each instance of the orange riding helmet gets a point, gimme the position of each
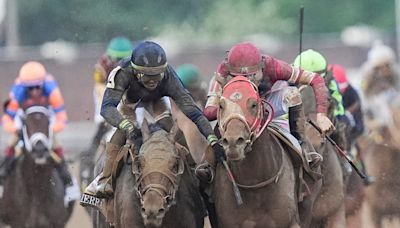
(32, 74)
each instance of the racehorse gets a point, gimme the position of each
(259, 163)
(156, 186)
(34, 193)
(328, 208)
(383, 196)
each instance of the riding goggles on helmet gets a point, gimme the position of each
(146, 74)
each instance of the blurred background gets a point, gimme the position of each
(69, 36)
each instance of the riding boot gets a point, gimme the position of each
(297, 122)
(7, 164)
(104, 187)
(71, 188)
(206, 170)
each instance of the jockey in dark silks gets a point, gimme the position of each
(34, 86)
(353, 112)
(147, 77)
(117, 49)
(265, 71)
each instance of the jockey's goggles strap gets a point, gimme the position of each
(150, 70)
(244, 70)
(212, 139)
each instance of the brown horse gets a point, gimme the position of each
(158, 189)
(383, 196)
(260, 164)
(329, 208)
(34, 193)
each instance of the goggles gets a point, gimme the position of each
(145, 78)
(150, 70)
(36, 87)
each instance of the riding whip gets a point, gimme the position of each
(236, 191)
(338, 149)
(301, 33)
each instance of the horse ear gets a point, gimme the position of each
(174, 131)
(145, 130)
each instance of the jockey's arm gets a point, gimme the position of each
(214, 92)
(9, 113)
(117, 83)
(297, 76)
(186, 104)
(283, 71)
(56, 102)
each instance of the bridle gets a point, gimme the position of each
(31, 140)
(168, 194)
(260, 121)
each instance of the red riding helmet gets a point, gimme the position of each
(244, 59)
(339, 73)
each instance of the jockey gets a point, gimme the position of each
(146, 76)
(190, 77)
(380, 71)
(313, 61)
(381, 83)
(34, 86)
(117, 49)
(353, 111)
(263, 70)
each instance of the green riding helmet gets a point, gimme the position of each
(119, 47)
(188, 74)
(312, 61)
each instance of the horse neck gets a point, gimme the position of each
(262, 162)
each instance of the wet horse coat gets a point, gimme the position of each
(148, 192)
(261, 166)
(34, 193)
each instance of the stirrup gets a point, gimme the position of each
(314, 159)
(202, 169)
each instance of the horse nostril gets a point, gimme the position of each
(143, 210)
(240, 141)
(161, 211)
(224, 142)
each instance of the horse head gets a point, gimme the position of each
(36, 134)
(240, 117)
(157, 168)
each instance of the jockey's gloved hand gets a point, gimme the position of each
(324, 123)
(133, 133)
(219, 151)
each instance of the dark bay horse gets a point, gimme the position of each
(157, 187)
(34, 193)
(259, 163)
(328, 208)
(163, 192)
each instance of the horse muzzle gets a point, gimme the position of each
(153, 218)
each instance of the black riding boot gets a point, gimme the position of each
(297, 123)
(64, 173)
(5, 168)
(71, 188)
